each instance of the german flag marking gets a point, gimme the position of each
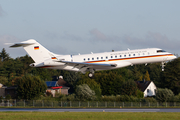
(53, 58)
(36, 47)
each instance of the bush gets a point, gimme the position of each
(123, 98)
(91, 83)
(177, 98)
(83, 92)
(30, 87)
(164, 95)
(8, 97)
(70, 97)
(148, 99)
(140, 94)
(111, 98)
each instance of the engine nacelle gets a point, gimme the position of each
(36, 64)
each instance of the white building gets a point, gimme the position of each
(147, 87)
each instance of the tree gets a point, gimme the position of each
(84, 92)
(137, 75)
(146, 76)
(4, 56)
(129, 88)
(30, 87)
(155, 73)
(171, 76)
(3, 80)
(91, 83)
(110, 82)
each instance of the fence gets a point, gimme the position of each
(80, 104)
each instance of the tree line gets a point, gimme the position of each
(106, 83)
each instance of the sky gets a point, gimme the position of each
(85, 26)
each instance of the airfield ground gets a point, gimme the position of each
(90, 115)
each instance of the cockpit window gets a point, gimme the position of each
(160, 51)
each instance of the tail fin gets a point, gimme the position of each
(35, 50)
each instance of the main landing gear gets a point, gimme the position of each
(91, 73)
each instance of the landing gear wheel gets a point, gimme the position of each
(91, 75)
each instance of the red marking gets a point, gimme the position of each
(56, 87)
(53, 58)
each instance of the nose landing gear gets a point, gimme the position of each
(162, 65)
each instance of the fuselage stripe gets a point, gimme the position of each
(130, 58)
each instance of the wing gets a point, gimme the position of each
(89, 65)
(83, 66)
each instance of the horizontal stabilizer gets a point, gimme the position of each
(25, 43)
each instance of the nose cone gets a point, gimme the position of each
(171, 57)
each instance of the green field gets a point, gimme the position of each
(88, 116)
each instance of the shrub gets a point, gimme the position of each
(164, 95)
(8, 97)
(140, 94)
(30, 87)
(83, 92)
(177, 98)
(111, 98)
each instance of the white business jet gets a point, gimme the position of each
(43, 58)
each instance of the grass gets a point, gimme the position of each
(89, 116)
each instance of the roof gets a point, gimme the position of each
(142, 85)
(51, 83)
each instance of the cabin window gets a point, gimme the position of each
(124, 55)
(88, 58)
(134, 55)
(97, 58)
(84, 59)
(120, 56)
(115, 56)
(92, 58)
(106, 57)
(111, 56)
(160, 51)
(129, 55)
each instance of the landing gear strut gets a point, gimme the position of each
(162, 64)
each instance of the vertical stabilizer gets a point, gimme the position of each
(37, 52)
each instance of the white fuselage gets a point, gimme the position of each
(120, 58)
(92, 62)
